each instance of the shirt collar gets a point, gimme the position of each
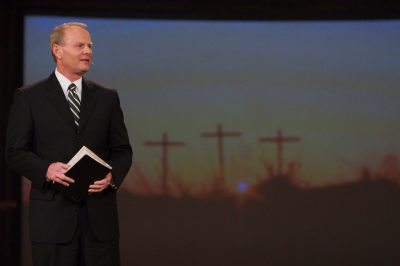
(65, 82)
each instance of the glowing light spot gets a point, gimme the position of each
(242, 186)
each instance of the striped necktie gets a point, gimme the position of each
(74, 102)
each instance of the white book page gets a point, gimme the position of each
(86, 151)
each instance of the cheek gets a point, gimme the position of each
(73, 61)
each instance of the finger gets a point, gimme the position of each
(91, 190)
(60, 181)
(93, 186)
(100, 182)
(62, 166)
(66, 178)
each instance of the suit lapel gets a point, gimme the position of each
(88, 102)
(56, 96)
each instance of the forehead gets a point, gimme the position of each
(76, 34)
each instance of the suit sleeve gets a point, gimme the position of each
(20, 138)
(120, 149)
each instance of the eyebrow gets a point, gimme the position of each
(91, 43)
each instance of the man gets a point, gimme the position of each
(49, 122)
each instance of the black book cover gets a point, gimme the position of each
(85, 172)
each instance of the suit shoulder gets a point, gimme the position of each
(34, 86)
(101, 90)
(97, 86)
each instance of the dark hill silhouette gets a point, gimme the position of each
(349, 224)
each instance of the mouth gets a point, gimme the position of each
(85, 60)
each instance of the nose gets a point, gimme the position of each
(87, 50)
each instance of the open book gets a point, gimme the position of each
(86, 168)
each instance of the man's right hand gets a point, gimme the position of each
(56, 171)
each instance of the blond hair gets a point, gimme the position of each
(57, 35)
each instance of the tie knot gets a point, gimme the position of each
(72, 87)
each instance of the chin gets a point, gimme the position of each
(85, 69)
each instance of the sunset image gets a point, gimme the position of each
(249, 127)
(330, 85)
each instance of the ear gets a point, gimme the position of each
(57, 51)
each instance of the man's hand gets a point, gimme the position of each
(100, 185)
(56, 172)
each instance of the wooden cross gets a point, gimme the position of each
(164, 143)
(279, 140)
(220, 134)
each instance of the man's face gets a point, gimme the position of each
(74, 54)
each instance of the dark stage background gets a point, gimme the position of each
(264, 134)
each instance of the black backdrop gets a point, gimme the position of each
(11, 56)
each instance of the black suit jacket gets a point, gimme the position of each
(41, 131)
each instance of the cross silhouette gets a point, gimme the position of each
(279, 139)
(220, 134)
(165, 144)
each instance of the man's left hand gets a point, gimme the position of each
(100, 185)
